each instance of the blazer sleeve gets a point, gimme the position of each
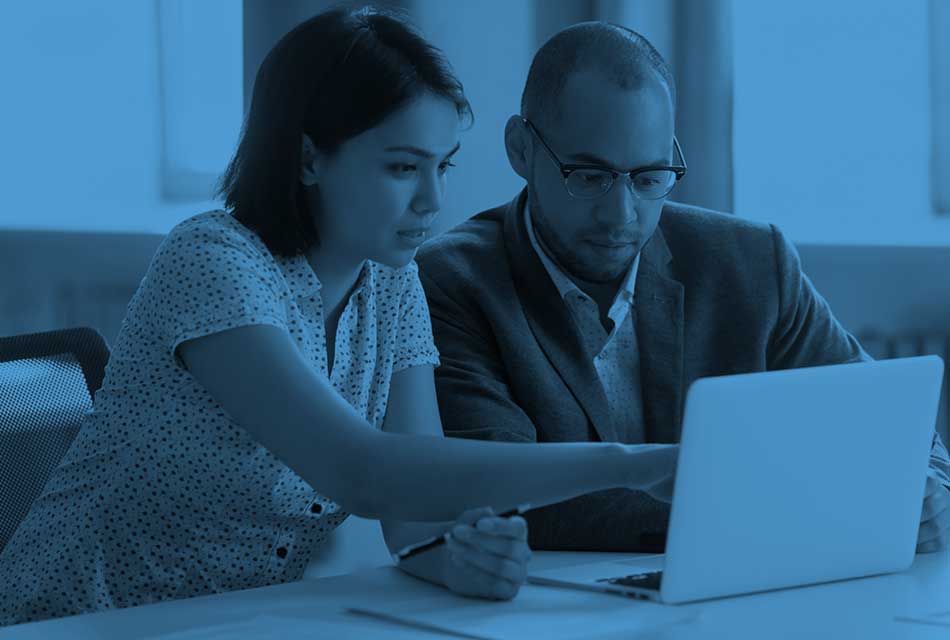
(475, 401)
(474, 398)
(807, 334)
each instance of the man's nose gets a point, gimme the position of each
(618, 207)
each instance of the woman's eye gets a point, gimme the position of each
(444, 167)
(402, 168)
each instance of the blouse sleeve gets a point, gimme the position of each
(207, 278)
(414, 343)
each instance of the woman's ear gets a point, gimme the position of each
(517, 146)
(311, 162)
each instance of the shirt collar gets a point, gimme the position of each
(563, 283)
(301, 279)
(304, 283)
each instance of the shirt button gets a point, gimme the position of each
(316, 508)
(281, 552)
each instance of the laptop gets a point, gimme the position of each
(788, 478)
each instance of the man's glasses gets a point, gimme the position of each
(589, 181)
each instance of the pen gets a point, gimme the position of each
(431, 543)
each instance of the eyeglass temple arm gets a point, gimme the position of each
(679, 151)
(566, 172)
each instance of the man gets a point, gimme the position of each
(584, 308)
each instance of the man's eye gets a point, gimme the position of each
(590, 176)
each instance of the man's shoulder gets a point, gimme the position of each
(683, 222)
(474, 245)
(696, 236)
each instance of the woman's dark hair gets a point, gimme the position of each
(332, 77)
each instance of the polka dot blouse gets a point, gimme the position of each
(162, 495)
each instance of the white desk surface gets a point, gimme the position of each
(316, 608)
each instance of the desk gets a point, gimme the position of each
(315, 608)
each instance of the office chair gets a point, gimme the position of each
(47, 382)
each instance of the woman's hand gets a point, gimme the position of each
(486, 556)
(653, 469)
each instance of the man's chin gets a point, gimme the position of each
(602, 275)
(599, 270)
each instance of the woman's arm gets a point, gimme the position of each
(258, 375)
(487, 556)
(412, 409)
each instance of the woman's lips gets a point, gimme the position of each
(413, 237)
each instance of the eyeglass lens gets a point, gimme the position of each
(590, 183)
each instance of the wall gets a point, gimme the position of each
(831, 130)
(81, 116)
(831, 120)
(489, 44)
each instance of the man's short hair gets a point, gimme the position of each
(624, 56)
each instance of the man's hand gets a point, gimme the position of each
(486, 556)
(934, 533)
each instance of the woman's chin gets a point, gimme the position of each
(395, 259)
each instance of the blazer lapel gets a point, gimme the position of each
(552, 324)
(660, 322)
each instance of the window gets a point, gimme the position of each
(201, 70)
(940, 105)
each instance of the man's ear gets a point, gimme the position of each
(311, 162)
(518, 146)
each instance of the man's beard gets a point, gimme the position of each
(566, 258)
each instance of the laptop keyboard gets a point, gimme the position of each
(650, 580)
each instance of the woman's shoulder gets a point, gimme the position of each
(213, 246)
(216, 226)
(210, 270)
(215, 237)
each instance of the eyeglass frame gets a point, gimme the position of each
(567, 169)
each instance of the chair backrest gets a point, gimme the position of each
(47, 382)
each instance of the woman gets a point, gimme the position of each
(274, 371)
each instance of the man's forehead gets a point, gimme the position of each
(589, 94)
(595, 117)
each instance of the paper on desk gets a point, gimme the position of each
(264, 627)
(537, 611)
(937, 619)
(256, 628)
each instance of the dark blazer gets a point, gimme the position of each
(715, 295)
